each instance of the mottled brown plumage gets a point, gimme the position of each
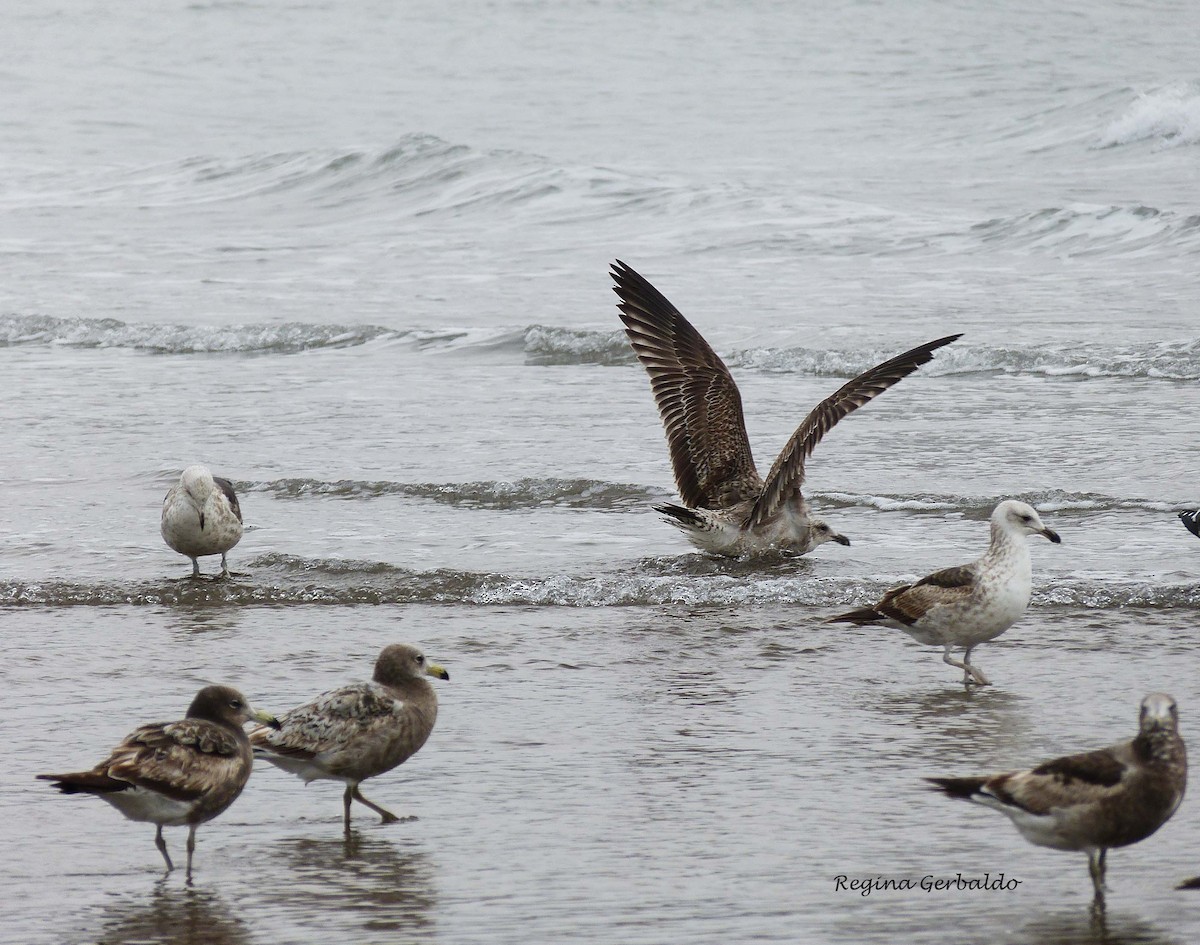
(176, 773)
(1096, 800)
(361, 730)
(730, 508)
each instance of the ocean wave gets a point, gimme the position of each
(1057, 501)
(1166, 360)
(1168, 116)
(1083, 230)
(287, 338)
(598, 495)
(420, 177)
(542, 345)
(527, 493)
(689, 580)
(548, 345)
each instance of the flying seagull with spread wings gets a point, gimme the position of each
(728, 508)
(1093, 801)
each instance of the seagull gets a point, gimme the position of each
(201, 516)
(729, 509)
(176, 773)
(1094, 801)
(359, 731)
(1191, 521)
(969, 604)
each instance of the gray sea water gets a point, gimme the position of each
(353, 257)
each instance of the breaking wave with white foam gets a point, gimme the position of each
(1168, 116)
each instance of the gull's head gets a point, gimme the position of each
(197, 482)
(400, 662)
(1021, 518)
(1159, 713)
(822, 532)
(225, 705)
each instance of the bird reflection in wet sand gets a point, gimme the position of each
(1095, 927)
(347, 886)
(178, 915)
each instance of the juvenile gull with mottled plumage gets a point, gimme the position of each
(361, 730)
(201, 516)
(729, 509)
(1094, 801)
(176, 773)
(969, 604)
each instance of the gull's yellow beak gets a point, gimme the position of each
(432, 669)
(267, 719)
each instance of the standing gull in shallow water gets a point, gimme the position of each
(176, 773)
(729, 508)
(360, 730)
(969, 604)
(201, 516)
(1093, 801)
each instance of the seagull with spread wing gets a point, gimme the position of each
(729, 509)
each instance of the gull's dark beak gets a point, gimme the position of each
(1052, 535)
(840, 539)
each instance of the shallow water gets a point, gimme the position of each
(355, 260)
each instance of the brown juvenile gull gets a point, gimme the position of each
(176, 773)
(969, 604)
(201, 516)
(1097, 800)
(729, 509)
(360, 730)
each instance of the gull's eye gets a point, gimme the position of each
(236, 704)
(822, 528)
(420, 659)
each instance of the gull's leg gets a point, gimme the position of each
(970, 673)
(195, 567)
(191, 848)
(162, 848)
(975, 670)
(1096, 869)
(387, 815)
(224, 566)
(346, 804)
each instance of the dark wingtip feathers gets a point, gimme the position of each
(85, 782)
(959, 788)
(1191, 521)
(859, 617)
(680, 514)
